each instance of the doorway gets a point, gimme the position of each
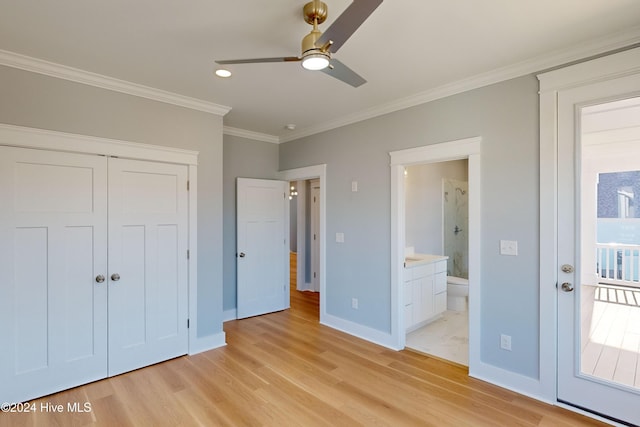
(311, 173)
(589, 143)
(454, 150)
(304, 225)
(436, 224)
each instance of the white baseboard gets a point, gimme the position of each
(527, 386)
(373, 335)
(207, 343)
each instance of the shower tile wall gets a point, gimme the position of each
(456, 224)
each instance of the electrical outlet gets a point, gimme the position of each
(505, 342)
(339, 237)
(354, 303)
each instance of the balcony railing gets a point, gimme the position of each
(618, 264)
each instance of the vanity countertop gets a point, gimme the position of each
(415, 260)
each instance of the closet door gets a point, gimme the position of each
(148, 230)
(53, 240)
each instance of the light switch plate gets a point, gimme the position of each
(354, 186)
(339, 237)
(509, 247)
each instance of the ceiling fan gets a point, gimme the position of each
(317, 47)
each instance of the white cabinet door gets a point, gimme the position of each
(263, 250)
(53, 242)
(148, 231)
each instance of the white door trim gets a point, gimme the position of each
(311, 172)
(18, 136)
(551, 84)
(315, 226)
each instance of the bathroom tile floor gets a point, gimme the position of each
(446, 338)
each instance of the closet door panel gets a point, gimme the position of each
(31, 289)
(52, 246)
(148, 231)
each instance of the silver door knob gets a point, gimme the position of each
(100, 278)
(115, 277)
(567, 287)
(242, 255)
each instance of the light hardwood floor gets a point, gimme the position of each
(285, 369)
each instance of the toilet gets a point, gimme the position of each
(457, 293)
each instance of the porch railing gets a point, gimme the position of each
(618, 264)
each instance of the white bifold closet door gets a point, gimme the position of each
(148, 252)
(63, 325)
(53, 244)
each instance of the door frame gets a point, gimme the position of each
(315, 224)
(315, 172)
(468, 148)
(551, 85)
(25, 137)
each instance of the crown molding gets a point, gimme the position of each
(558, 58)
(35, 65)
(257, 136)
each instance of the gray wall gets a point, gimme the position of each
(246, 159)
(424, 205)
(38, 101)
(505, 115)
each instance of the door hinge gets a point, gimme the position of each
(314, 274)
(188, 254)
(187, 185)
(187, 323)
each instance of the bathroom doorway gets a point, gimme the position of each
(436, 225)
(466, 149)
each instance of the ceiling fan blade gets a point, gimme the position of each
(258, 60)
(347, 23)
(341, 72)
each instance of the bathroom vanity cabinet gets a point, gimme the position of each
(425, 289)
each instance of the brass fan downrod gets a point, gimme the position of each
(315, 13)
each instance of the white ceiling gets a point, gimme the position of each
(409, 51)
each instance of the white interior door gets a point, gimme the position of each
(262, 239)
(148, 231)
(53, 240)
(587, 335)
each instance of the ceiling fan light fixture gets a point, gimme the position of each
(315, 61)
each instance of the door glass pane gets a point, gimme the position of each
(610, 242)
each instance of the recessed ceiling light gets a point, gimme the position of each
(221, 72)
(290, 126)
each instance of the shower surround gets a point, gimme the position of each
(455, 206)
